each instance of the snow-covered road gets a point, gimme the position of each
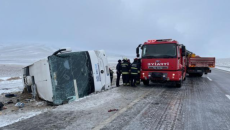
(201, 103)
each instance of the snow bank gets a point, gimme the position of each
(10, 86)
(223, 68)
(4, 78)
(223, 64)
(12, 118)
(93, 101)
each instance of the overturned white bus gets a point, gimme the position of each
(65, 77)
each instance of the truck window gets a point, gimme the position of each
(178, 52)
(159, 51)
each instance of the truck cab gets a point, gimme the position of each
(162, 60)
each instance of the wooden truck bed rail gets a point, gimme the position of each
(202, 62)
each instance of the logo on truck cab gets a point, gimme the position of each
(158, 64)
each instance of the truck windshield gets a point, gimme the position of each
(159, 51)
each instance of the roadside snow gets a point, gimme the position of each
(223, 68)
(92, 102)
(12, 118)
(9, 78)
(10, 86)
(4, 78)
(223, 64)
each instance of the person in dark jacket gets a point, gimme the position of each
(135, 67)
(125, 72)
(111, 75)
(1, 106)
(119, 71)
(138, 77)
(129, 71)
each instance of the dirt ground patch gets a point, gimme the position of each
(26, 98)
(13, 78)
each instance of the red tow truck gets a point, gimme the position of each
(165, 60)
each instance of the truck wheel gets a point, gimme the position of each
(200, 74)
(179, 84)
(146, 82)
(191, 75)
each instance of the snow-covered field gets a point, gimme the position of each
(7, 71)
(28, 54)
(223, 64)
(24, 54)
(11, 86)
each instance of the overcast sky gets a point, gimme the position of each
(117, 26)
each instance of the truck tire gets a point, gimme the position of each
(196, 75)
(146, 82)
(200, 74)
(191, 75)
(179, 84)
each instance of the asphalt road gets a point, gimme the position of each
(202, 103)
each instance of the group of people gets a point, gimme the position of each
(130, 72)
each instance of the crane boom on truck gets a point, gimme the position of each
(162, 60)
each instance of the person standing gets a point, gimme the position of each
(111, 75)
(129, 64)
(138, 76)
(119, 70)
(134, 72)
(125, 72)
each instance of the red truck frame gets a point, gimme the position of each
(165, 60)
(197, 66)
(162, 60)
